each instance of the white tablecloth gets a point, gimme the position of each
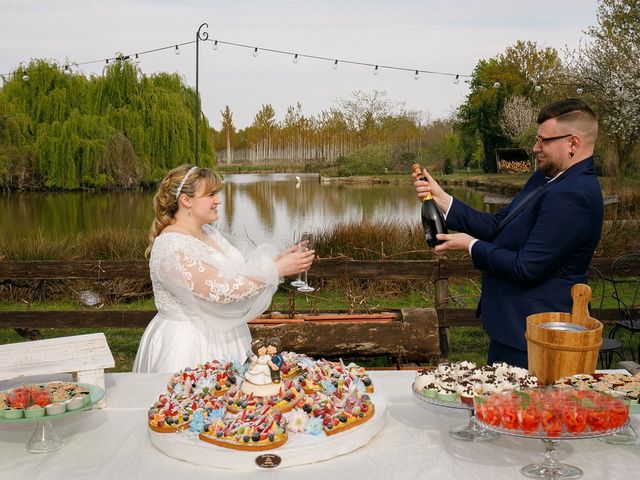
(113, 443)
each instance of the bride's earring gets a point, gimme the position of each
(189, 214)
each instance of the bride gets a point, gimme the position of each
(259, 372)
(206, 286)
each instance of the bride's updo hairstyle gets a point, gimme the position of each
(185, 179)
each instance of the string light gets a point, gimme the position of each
(579, 90)
(25, 77)
(296, 57)
(496, 85)
(376, 71)
(456, 80)
(66, 70)
(537, 88)
(416, 75)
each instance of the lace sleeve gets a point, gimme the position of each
(212, 285)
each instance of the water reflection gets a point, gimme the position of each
(259, 206)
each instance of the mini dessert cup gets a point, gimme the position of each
(56, 408)
(466, 398)
(13, 413)
(430, 392)
(34, 411)
(75, 402)
(447, 396)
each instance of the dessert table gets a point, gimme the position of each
(113, 443)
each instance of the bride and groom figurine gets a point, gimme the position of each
(262, 378)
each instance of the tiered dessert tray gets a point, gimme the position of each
(472, 432)
(44, 438)
(300, 449)
(551, 466)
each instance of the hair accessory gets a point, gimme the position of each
(184, 180)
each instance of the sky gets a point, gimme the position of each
(439, 35)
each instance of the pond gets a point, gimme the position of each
(262, 207)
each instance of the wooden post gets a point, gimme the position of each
(442, 300)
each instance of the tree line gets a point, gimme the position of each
(124, 129)
(505, 93)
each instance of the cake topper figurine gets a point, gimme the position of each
(276, 361)
(262, 378)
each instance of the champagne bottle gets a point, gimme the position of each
(432, 218)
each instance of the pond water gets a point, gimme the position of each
(262, 207)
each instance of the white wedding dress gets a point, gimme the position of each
(205, 293)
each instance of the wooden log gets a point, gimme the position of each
(412, 338)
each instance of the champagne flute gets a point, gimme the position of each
(306, 242)
(298, 281)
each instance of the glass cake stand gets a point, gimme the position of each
(44, 438)
(473, 431)
(551, 466)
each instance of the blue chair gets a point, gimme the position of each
(625, 277)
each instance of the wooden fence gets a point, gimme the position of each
(439, 271)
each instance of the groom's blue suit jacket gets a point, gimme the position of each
(530, 263)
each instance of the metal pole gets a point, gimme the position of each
(199, 36)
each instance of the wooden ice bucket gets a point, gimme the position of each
(556, 353)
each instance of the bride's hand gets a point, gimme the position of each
(289, 250)
(294, 262)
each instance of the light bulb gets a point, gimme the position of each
(66, 70)
(137, 60)
(335, 65)
(456, 80)
(496, 85)
(416, 75)
(215, 45)
(376, 71)
(177, 52)
(579, 90)
(537, 88)
(255, 52)
(295, 58)
(107, 61)
(25, 77)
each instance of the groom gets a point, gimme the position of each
(536, 248)
(273, 345)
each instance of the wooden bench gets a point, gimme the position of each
(84, 356)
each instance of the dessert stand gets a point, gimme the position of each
(44, 438)
(551, 466)
(474, 431)
(300, 449)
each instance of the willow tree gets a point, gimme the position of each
(120, 129)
